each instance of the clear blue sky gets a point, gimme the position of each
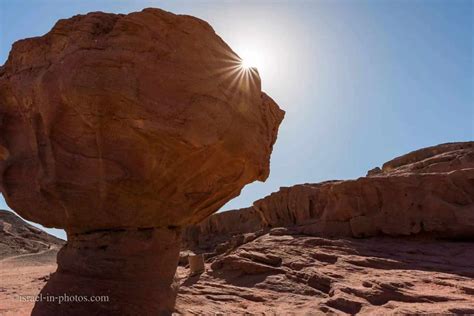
(361, 81)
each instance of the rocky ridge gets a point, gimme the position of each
(18, 238)
(426, 192)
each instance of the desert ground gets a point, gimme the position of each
(280, 273)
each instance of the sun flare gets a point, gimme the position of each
(246, 64)
(251, 58)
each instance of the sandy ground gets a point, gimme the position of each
(27, 257)
(299, 275)
(21, 277)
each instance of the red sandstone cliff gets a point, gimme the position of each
(429, 191)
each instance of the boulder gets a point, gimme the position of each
(121, 129)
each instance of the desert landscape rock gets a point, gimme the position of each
(334, 276)
(122, 129)
(426, 192)
(399, 241)
(18, 239)
(220, 227)
(429, 191)
(285, 273)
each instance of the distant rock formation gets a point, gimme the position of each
(122, 129)
(429, 191)
(18, 238)
(221, 227)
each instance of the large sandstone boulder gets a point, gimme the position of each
(111, 123)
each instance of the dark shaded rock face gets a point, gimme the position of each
(429, 191)
(112, 123)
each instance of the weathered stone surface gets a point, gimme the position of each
(440, 158)
(296, 274)
(320, 276)
(122, 129)
(196, 264)
(134, 269)
(138, 120)
(429, 191)
(222, 226)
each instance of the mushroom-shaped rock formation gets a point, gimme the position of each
(122, 129)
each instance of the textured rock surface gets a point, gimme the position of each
(286, 274)
(134, 269)
(424, 194)
(221, 227)
(112, 123)
(139, 120)
(305, 275)
(429, 191)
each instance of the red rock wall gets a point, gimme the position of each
(222, 226)
(428, 191)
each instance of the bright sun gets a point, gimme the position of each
(251, 58)
(247, 64)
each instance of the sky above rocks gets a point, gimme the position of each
(361, 81)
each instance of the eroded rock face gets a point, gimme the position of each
(412, 198)
(113, 123)
(307, 275)
(133, 269)
(429, 191)
(221, 226)
(138, 120)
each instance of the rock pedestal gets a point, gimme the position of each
(122, 129)
(127, 272)
(196, 264)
